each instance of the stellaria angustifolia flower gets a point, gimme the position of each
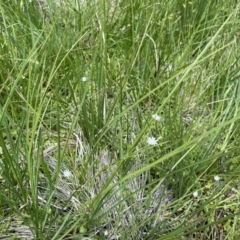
(84, 79)
(195, 194)
(156, 117)
(67, 173)
(152, 141)
(216, 178)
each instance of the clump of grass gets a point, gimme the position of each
(119, 120)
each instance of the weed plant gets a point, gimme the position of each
(119, 119)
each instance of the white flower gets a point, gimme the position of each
(84, 79)
(123, 28)
(67, 173)
(216, 178)
(195, 194)
(152, 141)
(156, 117)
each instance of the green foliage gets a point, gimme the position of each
(84, 86)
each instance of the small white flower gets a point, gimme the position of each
(67, 173)
(84, 79)
(105, 233)
(216, 178)
(156, 117)
(123, 28)
(195, 194)
(152, 141)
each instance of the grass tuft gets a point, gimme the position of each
(119, 119)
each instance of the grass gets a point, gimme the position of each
(80, 83)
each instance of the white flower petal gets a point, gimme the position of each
(195, 194)
(84, 79)
(156, 117)
(216, 178)
(67, 173)
(152, 141)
